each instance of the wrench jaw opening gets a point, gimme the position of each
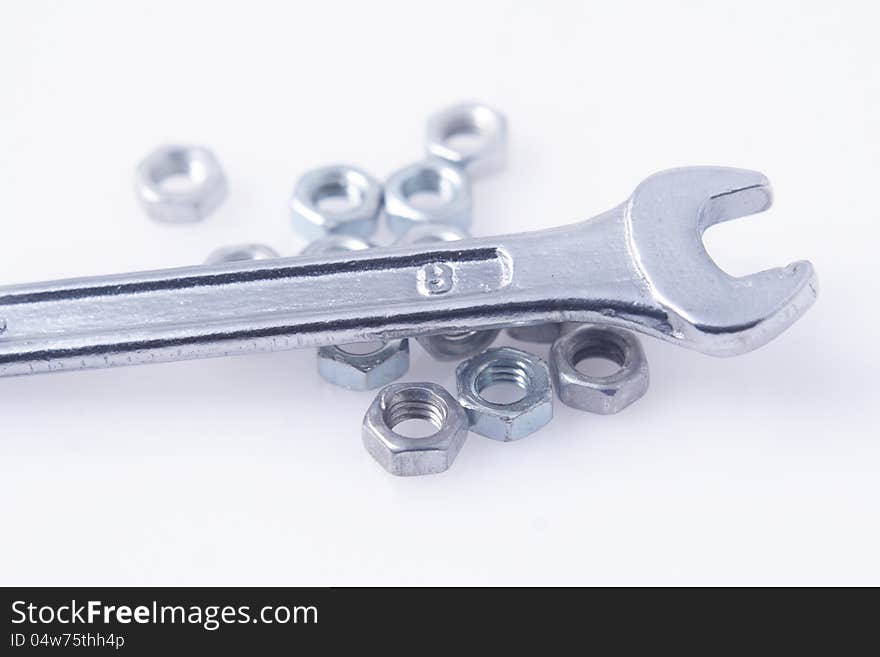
(770, 302)
(709, 310)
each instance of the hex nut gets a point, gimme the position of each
(404, 456)
(599, 394)
(373, 369)
(431, 233)
(486, 125)
(511, 421)
(336, 244)
(540, 333)
(205, 190)
(241, 253)
(434, 177)
(313, 220)
(457, 345)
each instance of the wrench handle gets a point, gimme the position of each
(251, 306)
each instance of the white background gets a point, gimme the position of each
(760, 469)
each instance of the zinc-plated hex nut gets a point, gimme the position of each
(431, 233)
(205, 190)
(541, 333)
(486, 126)
(405, 456)
(363, 194)
(241, 253)
(511, 421)
(336, 244)
(432, 177)
(367, 371)
(599, 394)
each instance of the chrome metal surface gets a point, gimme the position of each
(484, 131)
(447, 346)
(425, 192)
(241, 253)
(203, 184)
(640, 266)
(511, 420)
(458, 345)
(356, 197)
(405, 456)
(599, 394)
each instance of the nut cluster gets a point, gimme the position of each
(339, 209)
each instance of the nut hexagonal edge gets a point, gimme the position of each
(403, 456)
(505, 422)
(359, 220)
(364, 371)
(606, 394)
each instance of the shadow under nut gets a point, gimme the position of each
(599, 394)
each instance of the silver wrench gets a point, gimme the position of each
(641, 266)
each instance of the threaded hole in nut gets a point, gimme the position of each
(415, 417)
(415, 428)
(503, 383)
(427, 189)
(597, 368)
(466, 140)
(459, 336)
(466, 134)
(362, 348)
(599, 359)
(179, 171)
(337, 196)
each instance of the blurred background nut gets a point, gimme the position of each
(425, 192)
(335, 244)
(458, 344)
(407, 456)
(180, 184)
(336, 199)
(505, 420)
(431, 233)
(599, 394)
(470, 135)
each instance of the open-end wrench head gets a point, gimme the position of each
(713, 311)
